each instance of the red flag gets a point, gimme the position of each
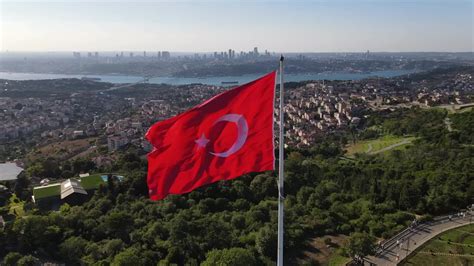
(223, 138)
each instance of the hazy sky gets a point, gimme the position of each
(206, 26)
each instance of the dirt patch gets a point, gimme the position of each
(62, 150)
(318, 250)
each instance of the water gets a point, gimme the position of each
(105, 178)
(9, 171)
(208, 80)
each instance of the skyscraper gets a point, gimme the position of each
(165, 54)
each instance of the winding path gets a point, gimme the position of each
(369, 149)
(403, 244)
(405, 141)
(448, 124)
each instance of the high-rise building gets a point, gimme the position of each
(131, 54)
(165, 54)
(96, 54)
(255, 50)
(144, 53)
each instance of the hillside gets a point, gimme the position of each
(369, 197)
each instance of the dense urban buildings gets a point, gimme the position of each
(312, 109)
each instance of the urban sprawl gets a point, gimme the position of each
(116, 119)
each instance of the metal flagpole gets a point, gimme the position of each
(280, 171)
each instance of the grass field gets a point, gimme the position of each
(92, 181)
(454, 247)
(382, 144)
(47, 191)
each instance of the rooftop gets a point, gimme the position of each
(72, 185)
(9, 171)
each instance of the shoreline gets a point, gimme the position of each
(210, 80)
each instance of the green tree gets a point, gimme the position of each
(266, 242)
(263, 185)
(230, 257)
(11, 259)
(73, 249)
(112, 247)
(128, 257)
(35, 169)
(119, 224)
(28, 260)
(21, 186)
(360, 244)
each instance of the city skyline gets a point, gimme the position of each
(208, 26)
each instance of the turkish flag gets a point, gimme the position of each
(223, 138)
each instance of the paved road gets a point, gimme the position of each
(410, 239)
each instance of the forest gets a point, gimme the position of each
(367, 198)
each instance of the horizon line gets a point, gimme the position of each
(225, 50)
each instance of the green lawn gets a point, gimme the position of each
(455, 241)
(377, 145)
(47, 191)
(92, 181)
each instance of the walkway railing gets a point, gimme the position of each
(436, 220)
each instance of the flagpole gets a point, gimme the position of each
(280, 171)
